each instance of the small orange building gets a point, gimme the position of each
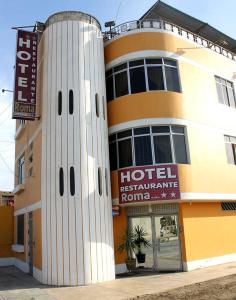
(169, 126)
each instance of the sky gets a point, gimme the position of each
(220, 15)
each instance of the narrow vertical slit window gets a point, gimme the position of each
(106, 181)
(59, 103)
(72, 181)
(71, 102)
(97, 104)
(104, 107)
(61, 182)
(99, 181)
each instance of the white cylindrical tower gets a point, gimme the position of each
(77, 234)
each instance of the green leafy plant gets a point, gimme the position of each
(127, 243)
(140, 239)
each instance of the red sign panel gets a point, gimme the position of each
(148, 183)
(25, 76)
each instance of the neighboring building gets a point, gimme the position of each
(7, 227)
(171, 105)
(6, 198)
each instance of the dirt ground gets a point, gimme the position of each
(222, 288)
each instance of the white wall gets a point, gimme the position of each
(77, 230)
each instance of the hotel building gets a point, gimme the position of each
(154, 93)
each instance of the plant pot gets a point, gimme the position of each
(130, 263)
(141, 258)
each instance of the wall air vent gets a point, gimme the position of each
(228, 205)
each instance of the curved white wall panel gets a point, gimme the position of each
(77, 228)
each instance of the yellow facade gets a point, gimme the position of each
(207, 231)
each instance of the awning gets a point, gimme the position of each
(166, 12)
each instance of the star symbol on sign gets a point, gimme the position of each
(173, 195)
(163, 195)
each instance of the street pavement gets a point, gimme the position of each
(16, 285)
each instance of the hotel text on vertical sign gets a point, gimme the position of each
(149, 183)
(25, 76)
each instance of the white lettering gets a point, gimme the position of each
(161, 173)
(23, 55)
(135, 197)
(169, 175)
(137, 175)
(22, 43)
(20, 97)
(23, 68)
(22, 82)
(149, 172)
(125, 177)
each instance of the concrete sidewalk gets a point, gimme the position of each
(126, 288)
(15, 285)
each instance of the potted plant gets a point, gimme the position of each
(141, 242)
(128, 245)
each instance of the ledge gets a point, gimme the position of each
(19, 130)
(19, 188)
(18, 248)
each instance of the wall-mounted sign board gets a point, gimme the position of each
(24, 106)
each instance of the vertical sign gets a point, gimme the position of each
(25, 76)
(148, 183)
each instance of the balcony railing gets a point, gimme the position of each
(163, 25)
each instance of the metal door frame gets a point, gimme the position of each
(179, 243)
(30, 242)
(152, 216)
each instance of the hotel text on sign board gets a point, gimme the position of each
(149, 183)
(25, 76)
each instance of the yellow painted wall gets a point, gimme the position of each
(6, 231)
(208, 230)
(32, 192)
(37, 237)
(140, 41)
(119, 227)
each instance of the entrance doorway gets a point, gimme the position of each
(163, 233)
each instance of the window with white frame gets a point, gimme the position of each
(148, 146)
(230, 145)
(137, 76)
(225, 91)
(21, 170)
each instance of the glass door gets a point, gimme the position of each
(164, 254)
(167, 245)
(145, 223)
